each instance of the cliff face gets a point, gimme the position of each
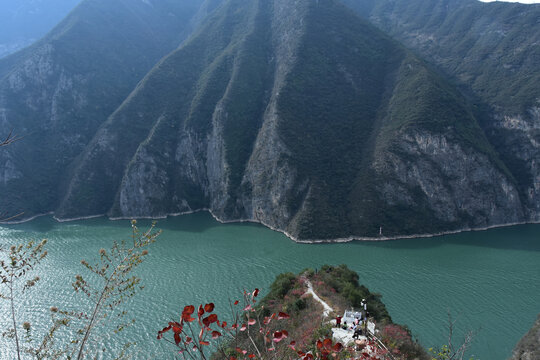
(58, 92)
(528, 347)
(483, 49)
(299, 115)
(519, 135)
(294, 113)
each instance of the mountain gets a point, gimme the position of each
(23, 22)
(302, 116)
(491, 51)
(59, 91)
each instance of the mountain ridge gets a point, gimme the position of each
(58, 91)
(301, 116)
(279, 186)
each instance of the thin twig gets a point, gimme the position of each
(11, 138)
(13, 318)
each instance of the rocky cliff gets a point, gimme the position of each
(297, 114)
(491, 51)
(58, 92)
(301, 116)
(528, 347)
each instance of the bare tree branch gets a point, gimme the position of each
(11, 138)
(467, 340)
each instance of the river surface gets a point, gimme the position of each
(489, 280)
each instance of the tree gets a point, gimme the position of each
(21, 260)
(450, 351)
(113, 283)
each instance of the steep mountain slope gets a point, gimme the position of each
(57, 92)
(302, 116)
(25, 21)
(492, 50)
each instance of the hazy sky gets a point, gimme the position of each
(521, 1)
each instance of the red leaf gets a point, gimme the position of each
(243, 328)
(188, 310)
(267, 320)
(224, 325)
(251, 356)
(200, 312)
(338, 347)
(176, 327)
(256, 292)
(236, 302)
(161, 332)
(204, 342)
(251, 322)
(278, 336)
(319, 344)
(327, 343)
(247, 307)
(186, 314)
(282, 316)
(177, 338)
(188, 340)
(215, 334)
(209, 307)
(210, 319)
(285, 333)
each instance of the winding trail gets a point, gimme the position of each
(345, 336)
(327, 308)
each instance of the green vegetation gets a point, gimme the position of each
(68, 84)
(305, 325)
(345, 283)
(489, 48)
(181, 138)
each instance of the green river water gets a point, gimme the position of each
(489, 280)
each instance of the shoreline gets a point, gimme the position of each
(288, 235)
(15, 222)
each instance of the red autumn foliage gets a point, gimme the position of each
(264, 342)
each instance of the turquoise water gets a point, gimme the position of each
(489, 280)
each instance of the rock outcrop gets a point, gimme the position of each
(294, 113)
(528, 348)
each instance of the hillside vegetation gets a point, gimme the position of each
(301, 115)
(305, 323)
(59, 91)
(491, 52)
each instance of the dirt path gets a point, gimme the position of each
(327, 309)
